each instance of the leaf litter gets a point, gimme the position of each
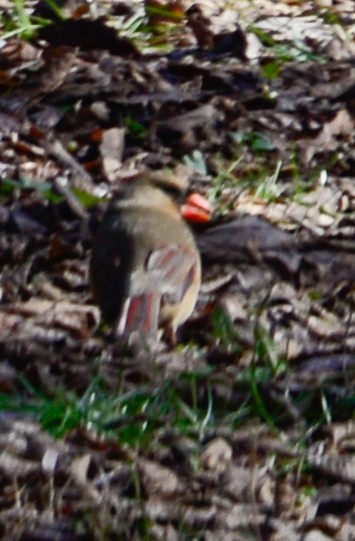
(245, 429)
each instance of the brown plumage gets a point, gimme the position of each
(145, 267)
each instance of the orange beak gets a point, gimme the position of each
(196, 209)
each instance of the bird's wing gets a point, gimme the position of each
(172, 268)
(170, 271)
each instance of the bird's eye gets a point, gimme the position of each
(172, 191)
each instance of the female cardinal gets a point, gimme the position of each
(145, 267)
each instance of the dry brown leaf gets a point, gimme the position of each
(217, 456)
(158, 480)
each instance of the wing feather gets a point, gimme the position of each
(170, 270)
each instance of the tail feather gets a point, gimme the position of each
(140, 313)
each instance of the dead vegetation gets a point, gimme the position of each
(245, 430)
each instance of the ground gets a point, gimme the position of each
(245, 428)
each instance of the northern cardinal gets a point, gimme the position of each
(145, 267)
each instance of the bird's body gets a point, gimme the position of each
(145, 266)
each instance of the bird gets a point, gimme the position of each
(145, 268)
